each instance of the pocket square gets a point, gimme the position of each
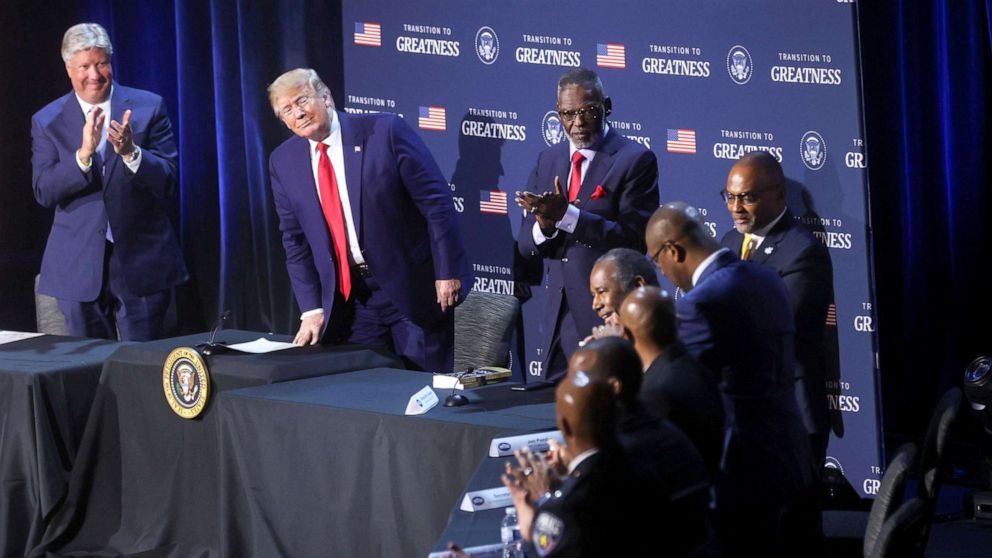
(598, 193)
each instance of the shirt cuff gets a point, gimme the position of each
(311, 313)
(569, 220)
(133, 164)
(82, 166)
(539, 237)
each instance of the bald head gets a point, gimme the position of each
(678, 242)
(612, 360)
(585, 409)
(648, 313)
(756, 191)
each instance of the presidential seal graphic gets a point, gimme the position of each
(739, 65)
(551, 129)
(186, 382)
(486, 45)
(813, 150)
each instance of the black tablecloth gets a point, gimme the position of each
(331, 467)
(46, 388)
(470, 529)
(147, 480)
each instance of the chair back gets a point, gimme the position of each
(890, 494)
(483, 327)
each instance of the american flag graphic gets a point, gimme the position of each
(368, 34)
(832, 315)
(432, 118)
(681, 141)
(610, 56)
(492, 202)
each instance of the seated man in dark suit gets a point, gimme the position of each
(614, 275)
(737, 319)
(589, 514)
(676, 386)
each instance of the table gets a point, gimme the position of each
(330, 466)
(47, 384)
(146, 480)
(480, 528)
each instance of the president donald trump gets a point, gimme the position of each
(373, 246)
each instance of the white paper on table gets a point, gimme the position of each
(261, 345)
(487, 499)
(422, 401)
(11, 336)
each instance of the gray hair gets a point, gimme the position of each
(629, 265)
(84, 36)
(582, 77)
(296, 79)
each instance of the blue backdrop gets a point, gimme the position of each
(926, 84)
(699, 83)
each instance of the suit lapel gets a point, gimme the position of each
(599, 165)
(775, 236)
(353, 152)
(120, 101)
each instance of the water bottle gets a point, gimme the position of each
(509, 531)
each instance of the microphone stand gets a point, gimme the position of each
(457, 399)
(210, 347)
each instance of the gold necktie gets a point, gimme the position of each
(746, 247)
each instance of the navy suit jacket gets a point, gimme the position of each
(134, 203)
(627, 173)
(404, 217)
(803, 263)
(737, 321)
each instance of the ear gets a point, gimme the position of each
(565, 427)
(679, 253)
(607, 106)
(617, 385)
(639, 281)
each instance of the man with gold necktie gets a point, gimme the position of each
(586, 195)
(767, 233)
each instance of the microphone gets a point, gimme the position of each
(211, 348)
(457, 399)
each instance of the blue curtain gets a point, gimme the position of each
(927, 70)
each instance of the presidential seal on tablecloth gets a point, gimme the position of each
(186, 382)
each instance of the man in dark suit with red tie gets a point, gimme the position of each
(597, 192)
(373, 247)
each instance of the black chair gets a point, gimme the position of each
(483, 327)
(902, 535)
(934, 463)
(854, 533)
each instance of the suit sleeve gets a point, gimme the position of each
(158, 171)
(525, 238)
(809, 280)
(696, 334)
(56, 178)
(430, 193)
(299, 258)
(638, 201)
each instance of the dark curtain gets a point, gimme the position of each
(211, 61)
(927, 68)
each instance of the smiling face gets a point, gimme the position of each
(306, 113)
(607, 292)
(91, 74)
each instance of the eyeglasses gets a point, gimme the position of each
(746, 198)
(590, 113)
(301, 102)
(673, 242)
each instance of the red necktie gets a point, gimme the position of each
(330, 202)
(576, 181)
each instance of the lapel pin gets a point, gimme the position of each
(769, 249)
(358, 149)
